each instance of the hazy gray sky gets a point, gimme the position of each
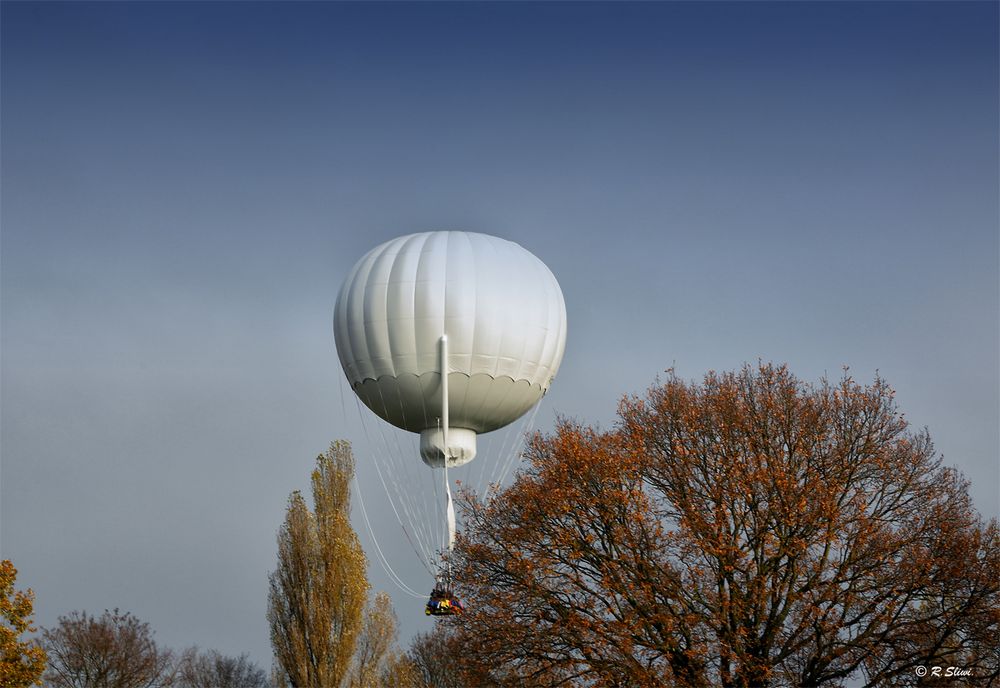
(185, 186)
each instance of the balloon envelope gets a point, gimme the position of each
(501, 309)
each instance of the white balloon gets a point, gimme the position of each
(501, 310)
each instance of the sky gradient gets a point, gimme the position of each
(185, 186)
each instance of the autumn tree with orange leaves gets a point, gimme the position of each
(21, 661)
(750, 530)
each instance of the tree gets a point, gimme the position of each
(318, 591)
(377, 662)
(21, 662)
(113, 651)
(438, 664)
(746, 531)
(214, 670)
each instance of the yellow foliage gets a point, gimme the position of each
(21, 662)
(319, 589)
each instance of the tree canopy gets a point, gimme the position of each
(114, 650)
(318, 591)
(212, 669)
(747, 530)
(323, 629)
(21, 662)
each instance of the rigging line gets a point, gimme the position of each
(378, 468)
(384, 454)
(427, 481)
(450, 524)
(413, 480)
(438, 514)
(412, 521)
(385, 564)
(343, 405)
(364, 511)
(418, 480)
(428, 530)
(495, 439)
(476, 473)
(522, 438)
(482, 482)
(519, 444)
(393, 576)
(518, 453)
(447, 491)
(401, 493)
(506, 394)
(527, 432)
(445, 407)
(509, 438)
(405, 492)
(384, 487)
(441, 509)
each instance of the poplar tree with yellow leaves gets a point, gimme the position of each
(322, 631)
(318, 591)
(21, 662)
(749, 530)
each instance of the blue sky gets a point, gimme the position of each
(185, 186)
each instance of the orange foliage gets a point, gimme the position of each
(21, 663)
(746, 531)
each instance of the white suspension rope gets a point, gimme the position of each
(404, 492)
(507, 441)
(393, 576)
(476, 482)
(507, 460)
(383, 560)
(385, 487)
(399, 481)
(405, 466)
(415, 473)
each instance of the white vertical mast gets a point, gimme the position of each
(444, 437)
